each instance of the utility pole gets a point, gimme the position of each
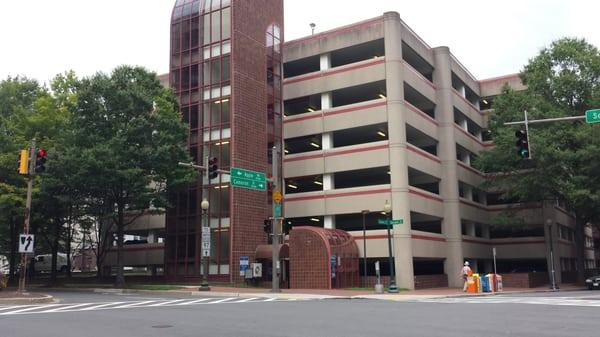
(31, 171)
(277, 221)
(209, 171)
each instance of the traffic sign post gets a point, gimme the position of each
(249, 179)
(205, 241)
(26, 243)
(391, 222)
(592, 116)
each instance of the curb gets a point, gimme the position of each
(196, 293)
(28, 300)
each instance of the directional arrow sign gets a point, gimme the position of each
(391, 222)
(249, 179)
(26, 243)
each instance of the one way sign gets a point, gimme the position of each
(25, 243)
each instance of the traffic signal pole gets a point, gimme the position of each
(526, 122)
(31, 171)
(276, 224)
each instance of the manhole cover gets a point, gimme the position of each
(162, 326)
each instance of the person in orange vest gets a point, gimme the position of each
(466, 272)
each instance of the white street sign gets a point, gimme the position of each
(205, 242)
(26, 243)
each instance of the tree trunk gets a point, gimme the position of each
(120, 281)
(13, 249)
(54, 248)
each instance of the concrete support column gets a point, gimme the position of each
(151, 237)
(329, 221)
(327, 141)
(461, 90)
(402, 241)
(468, 191)
(470, 228)
(442, 78)
(326, 100)
(485, 231)
(325, 61)
(328, 183)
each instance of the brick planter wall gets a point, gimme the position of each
(524, 280)
(431, 281)
(372, 280)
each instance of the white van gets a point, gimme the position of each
(4, 265)
(43, 263)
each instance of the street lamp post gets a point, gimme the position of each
(364, 214)
(549, 223)
(387, 208)
(204, 205)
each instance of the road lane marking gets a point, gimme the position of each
(245, 300)
(131, 305)
(164, 303)
(66, 308)
(101, 306)
(221, 300)
(29, 309)
(194, 301)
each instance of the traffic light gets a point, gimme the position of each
(522, 144)
(267, 226)
(213, 167)
(287, 226)
(40, 161)
(24, 162)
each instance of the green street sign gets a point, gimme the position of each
(392, 222)
(592, 116)
(248, 179)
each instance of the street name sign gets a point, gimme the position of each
(391, 222)
(249, 179)
(26, 243)
(592, 116)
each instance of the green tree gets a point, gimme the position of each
(18, 97)
(563, 80)
(127, 140)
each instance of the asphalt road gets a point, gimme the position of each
(91, 315)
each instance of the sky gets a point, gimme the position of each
(41, 38)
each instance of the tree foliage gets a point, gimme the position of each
(563, 80)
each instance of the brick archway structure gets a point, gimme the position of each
(322, 258)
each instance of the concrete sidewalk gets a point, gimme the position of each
(302, 294)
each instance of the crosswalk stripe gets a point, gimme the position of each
(14, 307)
(246, 300)
(164, 303)
(222, 300)
(134, 304)
(270, 299)
(29, 309)
(66, 308)
(100, 306)
(194, 301)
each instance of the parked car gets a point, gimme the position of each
(4, 265)
(593, 282)
(43, 263)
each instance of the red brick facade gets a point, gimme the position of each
(524, 280)
(311, 251)
(250, 20)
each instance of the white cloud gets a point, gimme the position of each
(41, 38)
